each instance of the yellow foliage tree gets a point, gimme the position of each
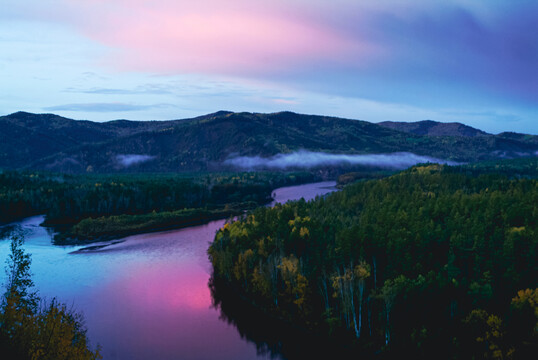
(296, 283)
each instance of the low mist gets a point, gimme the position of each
(127, 160)
(306, 159)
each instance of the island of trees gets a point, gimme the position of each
(435, 260)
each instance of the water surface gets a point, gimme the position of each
(145, 296)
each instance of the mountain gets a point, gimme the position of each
(50, 142)
(26, 137)
(433, 128)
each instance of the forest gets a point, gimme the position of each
(435, 261)
(89, 207)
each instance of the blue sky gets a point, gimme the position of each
(474, 62)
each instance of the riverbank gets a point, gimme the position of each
(108, 228)
(67, 200)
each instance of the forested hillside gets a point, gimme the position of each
(49, 142)
(434, 128)
(437, 260)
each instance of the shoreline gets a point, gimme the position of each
(66, 238)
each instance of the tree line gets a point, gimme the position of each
(66, 200)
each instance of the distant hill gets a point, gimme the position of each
(26, 137)
(434, 128)
(51, 142)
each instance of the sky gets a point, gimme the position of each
(474, 62)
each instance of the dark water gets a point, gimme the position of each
(146, 296)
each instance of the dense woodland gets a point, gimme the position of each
(435, 260)
(90, 206)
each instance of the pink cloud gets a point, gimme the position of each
(227, 37)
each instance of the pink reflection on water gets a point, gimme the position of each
(161, 309)
(175, 288)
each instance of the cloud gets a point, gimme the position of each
(127, 160)
(484, 44)
(154, 89)
(104, 107)
(415, 53)
(495, 53)
(233, 37)
(307, 159)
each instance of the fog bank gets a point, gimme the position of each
(306, 159)
(127, 160)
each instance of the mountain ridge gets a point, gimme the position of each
(434, 128)
(51, 142)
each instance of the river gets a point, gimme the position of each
(145, 296)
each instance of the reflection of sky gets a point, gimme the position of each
(473, 62)
(143, 298)
(310, 191)
(146, 297)
(166, 307)
(52, 265)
